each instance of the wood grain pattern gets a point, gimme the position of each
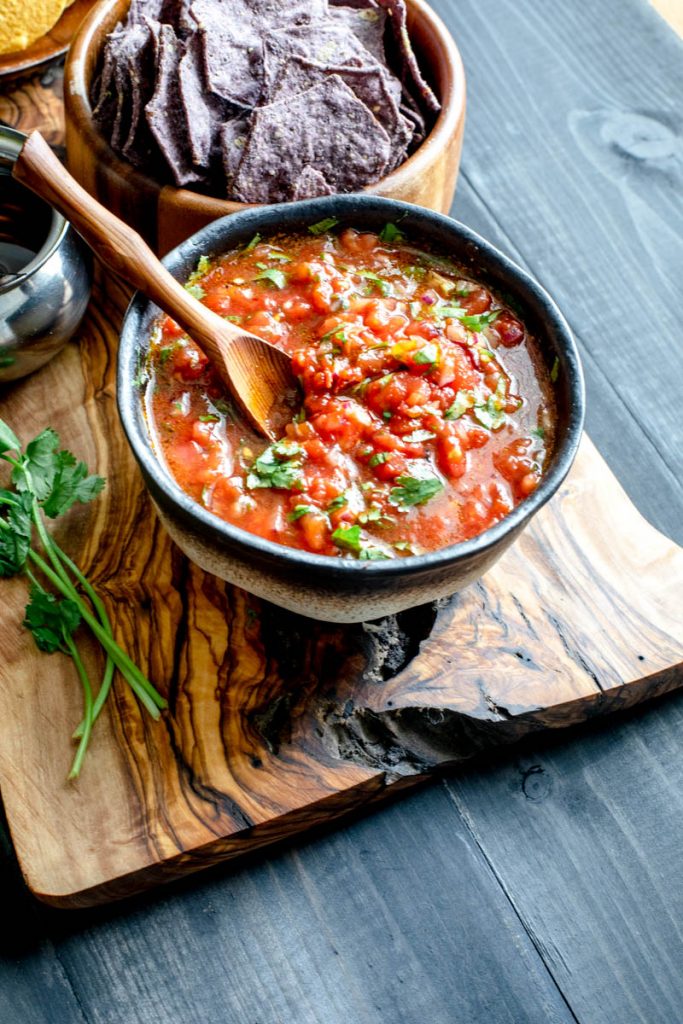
(277, 724)
(166, 215)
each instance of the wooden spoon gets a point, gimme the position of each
(258, 375)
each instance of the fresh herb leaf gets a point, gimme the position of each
(428, 355)
(298, 511)
(276, 277)
(279, 466)
(50, 619)
(70, 484)
(538, 432)
(323, 225)
(387, 414)
(370, 554)
(412, 491)
(464, 400)
(456, 312)
(347, 538)
(209, 418)
(390, 233)
(337, 502)
(555, 372)
(15, 532)
(379, 458)
(38, 465)
(384, 287)
(8, 439)
(479, 321)
(253, 243)
(490, 414)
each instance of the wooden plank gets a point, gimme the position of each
(585, 836)
(401, 923)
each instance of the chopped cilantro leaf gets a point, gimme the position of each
(299, 511)
(209, 418)
(276, 277)
(464, 400)
(279, 466)
(384, 287)
(538, 432)
(478, 322)
(370, 554)
(379, 458)
(387, 414)
(555, 372)
(253, 243)
(490, 414)
(323, 225)
(428, 355)
(390, 233)
(337, 502)
(347, 538)
(412, 491)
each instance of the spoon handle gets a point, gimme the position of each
(119, 246)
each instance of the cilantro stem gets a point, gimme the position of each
(140, 685)
(87, 708)
(98, 605)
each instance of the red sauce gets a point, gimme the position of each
(426, 417)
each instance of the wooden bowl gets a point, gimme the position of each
(166, 215)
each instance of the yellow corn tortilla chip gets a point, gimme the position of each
(24, 21)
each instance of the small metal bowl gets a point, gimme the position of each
(42, 300)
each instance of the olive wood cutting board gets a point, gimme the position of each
(277, 723)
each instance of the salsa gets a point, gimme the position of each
(427, 414)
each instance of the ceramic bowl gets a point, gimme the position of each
(324, 587)
(166, 215)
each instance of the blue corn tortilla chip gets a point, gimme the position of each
(232, 34)
(164, 111)
(215, 94)
(410, 71)
(234, 135)
(203, 111)
(310, 184)
(327, 128)
(368, 24)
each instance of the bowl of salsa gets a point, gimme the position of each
(441, 406)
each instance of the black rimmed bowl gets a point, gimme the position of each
(320, 586)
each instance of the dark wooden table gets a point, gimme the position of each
(545, 884)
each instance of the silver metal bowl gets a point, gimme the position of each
(45, 273)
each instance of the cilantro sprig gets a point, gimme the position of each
(45, 482)
(279, 466)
